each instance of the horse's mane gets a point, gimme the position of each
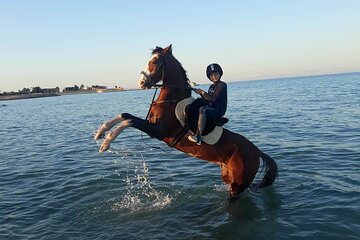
(159, 50)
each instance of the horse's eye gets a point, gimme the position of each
(155, 61)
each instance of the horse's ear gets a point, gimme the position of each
(168, 49)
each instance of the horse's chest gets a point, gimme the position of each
(160, 115)
(155, 117)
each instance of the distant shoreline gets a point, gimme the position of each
(40, 95)
(27, 96)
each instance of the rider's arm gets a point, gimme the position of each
(220, 89)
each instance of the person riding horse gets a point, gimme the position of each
(216, 99)
(238, 157)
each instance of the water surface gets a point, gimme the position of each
(55, 185)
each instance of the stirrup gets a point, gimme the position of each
(195, 138)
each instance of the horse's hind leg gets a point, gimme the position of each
(112, 135)
(106, 126)
(236, 176)
(230, 174)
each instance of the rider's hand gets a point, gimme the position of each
(199, 91)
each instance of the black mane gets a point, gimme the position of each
(159, 50)
(183, 70)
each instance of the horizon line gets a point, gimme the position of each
(230, 81)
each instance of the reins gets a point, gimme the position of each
(146, 118)
(173, 86)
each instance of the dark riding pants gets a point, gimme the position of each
(204, 112)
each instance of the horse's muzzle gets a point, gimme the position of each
(145, 81)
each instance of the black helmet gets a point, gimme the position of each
(214, 67)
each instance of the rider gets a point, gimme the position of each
(216, 98)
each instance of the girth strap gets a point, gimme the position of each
(179, 136)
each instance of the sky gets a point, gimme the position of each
(63, 43)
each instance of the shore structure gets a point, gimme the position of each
(26, 96)
(16, 96)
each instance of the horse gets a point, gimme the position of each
(238, 158)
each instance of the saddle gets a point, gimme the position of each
(192, 116)
(188, 114)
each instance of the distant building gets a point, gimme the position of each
(71, 89)
(51, 90)
(119, 88)
(98, 87)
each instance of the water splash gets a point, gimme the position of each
(140, 195)
(221, 188)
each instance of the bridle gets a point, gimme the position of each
(149, 77)
(149, 82)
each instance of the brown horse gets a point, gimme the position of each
(238, 158)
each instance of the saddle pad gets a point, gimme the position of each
(212, 137)
(180, 109)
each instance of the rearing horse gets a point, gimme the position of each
(239, 159)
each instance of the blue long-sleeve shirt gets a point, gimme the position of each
(217, 97)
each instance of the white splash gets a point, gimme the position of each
(140, 195)
(221, 187)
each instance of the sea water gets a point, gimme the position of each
(55, 185)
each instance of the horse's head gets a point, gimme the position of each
(154, 71)
(160, 65)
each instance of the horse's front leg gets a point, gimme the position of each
(106, 126)
(152, 129)
(113, 134)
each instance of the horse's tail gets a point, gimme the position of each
(271, 170)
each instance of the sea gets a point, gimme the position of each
(54, 184)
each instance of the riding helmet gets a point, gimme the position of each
(214, 67)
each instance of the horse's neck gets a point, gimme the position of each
(172, 93)
(175, 84)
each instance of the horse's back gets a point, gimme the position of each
(238, 141)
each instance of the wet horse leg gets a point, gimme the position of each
(152, 129)
(106, 126)
(233, 174)
(111, 123)
(225, 173)
(114, 134)
(229, 175)
(241, 169)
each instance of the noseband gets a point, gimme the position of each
(149, 77)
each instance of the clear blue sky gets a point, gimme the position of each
(62, 43)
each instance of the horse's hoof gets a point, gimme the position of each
(99, 136)
(104, 147)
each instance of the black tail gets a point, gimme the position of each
(271, 170)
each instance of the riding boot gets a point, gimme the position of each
(200, 127)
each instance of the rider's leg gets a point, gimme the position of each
(202, 121)
(205, 112)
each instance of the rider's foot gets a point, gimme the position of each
(195, 138)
